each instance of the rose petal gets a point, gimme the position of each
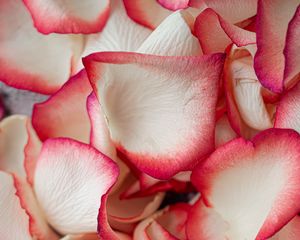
(100, 139)
(215, 34)
(38, 225)
(233, 10)
(174, 5)
(64, 113)
(67, 186)
(247, 111)
(273, 17)
(287, 113)
(172, 37)
(223, 133)
(14, 223)
(291, 231)
(13, 139)
(238, 187)
(292, 59)
(182, 84)
(60, 16)
(134, 209)
(116, 37)
(143, 12)
(30, 60)
(168, 223)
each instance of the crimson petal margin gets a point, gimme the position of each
(238, 187)
(292, 47)
(64, 113)
(14, 223)
(132, 81)
(57, 16)
(30, 60)
(215, 34)
(288, 109)
(67, 186)
(273, 17)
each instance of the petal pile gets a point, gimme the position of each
(149, 120)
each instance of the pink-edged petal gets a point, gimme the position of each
(173, 37)
(19, 147)
(205, 223)
(287, 112)
(233, 10)
(60, 16)
(167, 224)
(237, 184)
(67, 186)
(100, 139)
(104, 229)
(247, 93)
(291, 231)
(292, 59)
(32, 150)
(247, 111)
(30, 60)
(134, 209)
(224, 132)
(144, 96)
(273, 17)
(14, 222)
(148, 13)
(64, 113)
(38, 226)
(215, 34)
(13, 139)
(174, 5)
(116, 37)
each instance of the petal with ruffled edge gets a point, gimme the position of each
(64, 113)
(215, 33)
(30, 60)
(237, 186)
(273, 17)
(115, 36)
(166, 224)
(67, 186)
(292, 47)
(14, 223)
(288, 109)
(77, 16)
(135, 88)
(233, 11)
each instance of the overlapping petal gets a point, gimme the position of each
(60, 16)
(70, 179)
(30, 60)
(64, 114)
(143, 96)
(273, 18)
(239, 197)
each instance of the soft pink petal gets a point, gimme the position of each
(60, 16)
(250, 187)
(30, 60)
(67, 186)
(64, 113)
(215, 34)
(288, 109)
(292, 47)
(14, 222)
(273, 17)
(129, 106)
